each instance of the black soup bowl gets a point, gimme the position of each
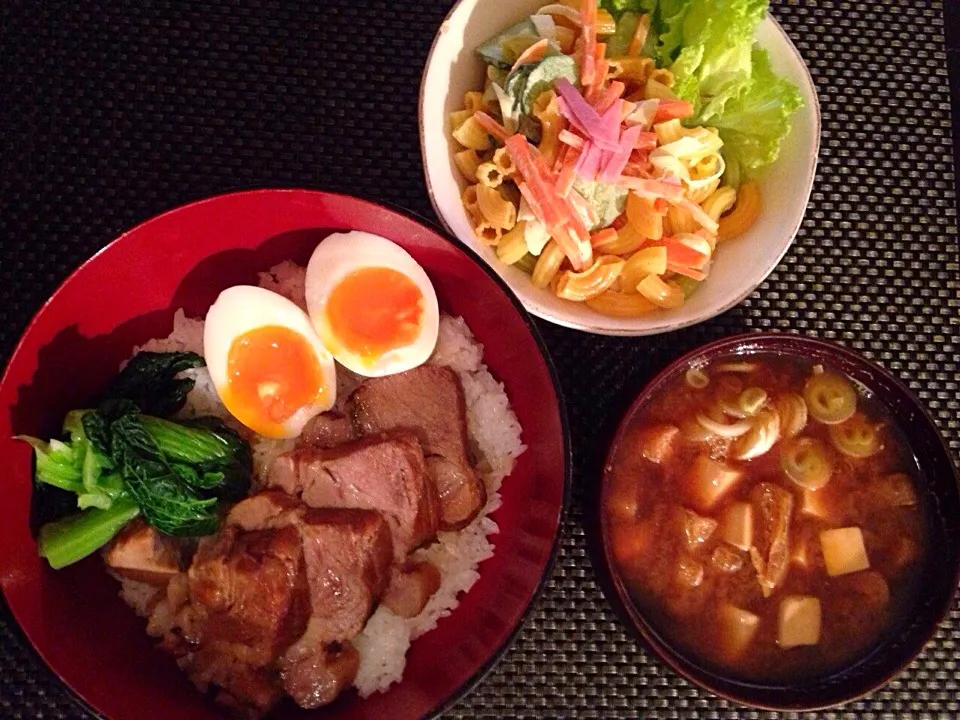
(938, 489)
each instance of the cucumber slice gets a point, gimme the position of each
(543, 75)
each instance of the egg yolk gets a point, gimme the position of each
(272, 372)
(374, 310)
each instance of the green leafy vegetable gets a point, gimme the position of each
(119, 456)
(150, 380)
(619, 42)
(753, 124)
(710, 49)
(64, 542)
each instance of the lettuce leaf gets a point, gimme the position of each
(753, 124)
(714, 63)
(729, 81)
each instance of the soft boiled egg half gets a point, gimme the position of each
(266, 361)
(372, 304)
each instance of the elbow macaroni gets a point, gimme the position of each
(489, 175)
(471, 134)
(548, 265)
(495, 209)
(467, 163)
(513, 245)
(592, 281)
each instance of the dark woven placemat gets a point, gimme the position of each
(112, 112)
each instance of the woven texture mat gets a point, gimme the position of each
(113, 112)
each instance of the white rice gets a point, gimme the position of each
(495, 439)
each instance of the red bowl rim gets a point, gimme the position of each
(644, 630)
(457, 695)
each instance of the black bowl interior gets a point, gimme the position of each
(940, 497)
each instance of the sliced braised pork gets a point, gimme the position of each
(327, 430)
(411, 586)
(385, 473)
(271, 603)
(429, 402)
(249, 601)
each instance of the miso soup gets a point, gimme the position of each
(764, 513)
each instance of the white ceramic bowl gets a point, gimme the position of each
(740, 265)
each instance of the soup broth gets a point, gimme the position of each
(763, 511)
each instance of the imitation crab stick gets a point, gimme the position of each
(538, 188)
(498, 131)
(655, 189)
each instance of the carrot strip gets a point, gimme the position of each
(670, 109)
(588, 29)
(609, 96)
(602, 237)
(498, 131)
(639, 38)
(686, 271)
(560, 157)
(532, 54)
(646, 141)
(568, 173)
(571, 139)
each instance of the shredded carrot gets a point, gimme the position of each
(686, 271)
(498, 131)
(568, 173)
(532, 54)
(646, 141)
(560, 157)
(571, 139)
(639, 38)
(601, 237)
(588, 28)
(609, 96)
(670, 109)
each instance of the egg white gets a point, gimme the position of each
(243, 308)
(343, 253)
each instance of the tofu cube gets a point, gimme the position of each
(817, 503)
(709, 481)
(657, 443)
(737, 628)
(798, 621)
(736, 525)
(843, 551)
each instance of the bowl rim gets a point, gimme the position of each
(666, 325)
(567, 491)
(685, 665)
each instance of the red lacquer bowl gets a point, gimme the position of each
(939, 492)
(127, 294)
